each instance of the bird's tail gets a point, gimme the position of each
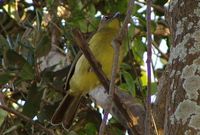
(66, 111)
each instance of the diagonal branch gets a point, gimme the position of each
(24, 117)
(128, 112)
(117, 42)
(131, 113)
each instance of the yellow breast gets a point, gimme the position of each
(84, 78)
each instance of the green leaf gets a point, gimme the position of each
(121, 6)
(43, 46)
(90, 129)
(13, 59)
(138, 50)
(50, 2)
(4, 43)
(153, 88)
(5, 77)
(124, 86)
(3, 115)
(142, 20)
(83, 25)
(72, 133)
(113, 121)
(131, 31)
(27, 72)
(129, 81)
(144, 78)
(46, 112)
(125, 66)
(32, 105)
(92, 10)
(115, 131)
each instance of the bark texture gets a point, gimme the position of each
(182, 109)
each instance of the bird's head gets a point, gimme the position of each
(110, 22)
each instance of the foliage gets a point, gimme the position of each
(30, 32)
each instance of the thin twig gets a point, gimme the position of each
(116, 45)
(161, 53)
(154, 124)
(24, 117)
(157, 7)
(149, 53)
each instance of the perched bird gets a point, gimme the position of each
(84, 79)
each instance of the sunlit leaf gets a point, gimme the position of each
(129, 81)
(12, 10)
(144, 78)
(138, 50)
(124, 87)
(163, 61)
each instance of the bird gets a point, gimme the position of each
(84, 79)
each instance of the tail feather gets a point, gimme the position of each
(66, 110)
(71, 112)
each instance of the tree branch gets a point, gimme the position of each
(117, 42)
(130, 113)
(149, 53)
(36, 124)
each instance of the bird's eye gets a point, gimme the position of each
(106, 17)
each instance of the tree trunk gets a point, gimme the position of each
(181, 108)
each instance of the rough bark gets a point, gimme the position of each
(182, 109)
(160, 103)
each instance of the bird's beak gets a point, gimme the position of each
(116, 15)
